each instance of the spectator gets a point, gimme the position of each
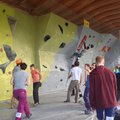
(76, 74)
(103, 90)
(20, 80)
(16, 69)
(36, 83)
(86, 92)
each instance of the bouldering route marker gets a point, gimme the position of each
(81, 43)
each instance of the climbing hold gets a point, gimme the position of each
(61, 69)
(44, 66)
(66, 24)
(7, 35)
(62, 45)
(47, 37)
(87, 48)
(56, 67)
(4, 11)
(89, 36)
(109, 48)
(61, 80)
(11, 55)
(61, 29)
(4, 66)
(7, 90)
(92, 46)
(93, 36)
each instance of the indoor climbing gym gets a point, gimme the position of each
(59, 59)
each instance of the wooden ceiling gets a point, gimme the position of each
(103, 15)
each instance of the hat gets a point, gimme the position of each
(19, 61)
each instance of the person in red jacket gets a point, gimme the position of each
(103, 90)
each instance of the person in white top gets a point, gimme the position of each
(76, 74)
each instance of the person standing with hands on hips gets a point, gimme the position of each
(36, 83)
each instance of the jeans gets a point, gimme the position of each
(86, 98)
(23, 105)
(36, 86)
(109, 113)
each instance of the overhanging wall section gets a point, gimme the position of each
(22, 42)
(60, 33)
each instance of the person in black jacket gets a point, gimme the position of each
(118, 85)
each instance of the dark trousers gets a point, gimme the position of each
(36, 86)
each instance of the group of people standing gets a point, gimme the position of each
(20, 80)
(101, 88)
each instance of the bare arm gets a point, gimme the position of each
(39, 74)
(81, 79)
(85, 76)
(28, 81)
(69, 76)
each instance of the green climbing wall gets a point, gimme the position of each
(28, 41)
(5, 38)
(22, 42)
(25, 39)
(49, 25)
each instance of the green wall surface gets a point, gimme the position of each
(5, 38)
(41, 25)
(49, 25)
(22, 42)
(27, 40)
